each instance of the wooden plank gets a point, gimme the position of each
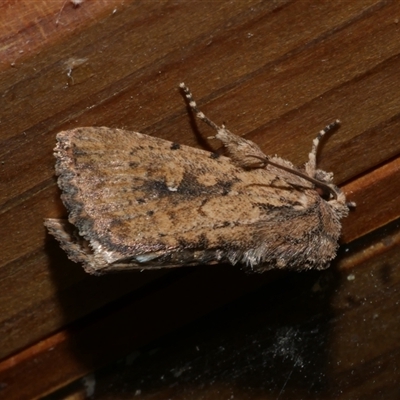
(377, 197)
(127, 324)
(173, 302)
(27, 27)
(363, 287)
(273, 71)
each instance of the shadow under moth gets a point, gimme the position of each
(139, 202)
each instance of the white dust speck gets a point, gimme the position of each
(89, 382)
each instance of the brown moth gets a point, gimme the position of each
(139, 202)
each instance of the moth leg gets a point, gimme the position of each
(311, 165)
(243, 153)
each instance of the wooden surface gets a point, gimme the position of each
(325, 335)
(274, 72)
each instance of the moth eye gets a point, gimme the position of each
(325, 194)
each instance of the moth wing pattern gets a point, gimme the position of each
(141, 202)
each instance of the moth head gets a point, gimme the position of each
(323, 184)
(333, 195)
(328, 191)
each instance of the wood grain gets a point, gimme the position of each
(275, 72)
(319, 335)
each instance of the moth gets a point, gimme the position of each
(140, 202)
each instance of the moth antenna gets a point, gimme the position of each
(193, 106)
(311, 165)
(227, 138)
(325, 186)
